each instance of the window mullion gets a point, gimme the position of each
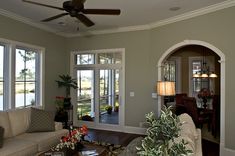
(11, 77)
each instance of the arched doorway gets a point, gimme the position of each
(222, 80)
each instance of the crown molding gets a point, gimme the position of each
(27, 21)
(188, 15)
(195, 13)
(110, 31)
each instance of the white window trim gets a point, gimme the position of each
(10, 47)
(73, 66)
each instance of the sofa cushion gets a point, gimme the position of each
(1, 136)
(18, 147)
(19, 120)
(44, 140)
(5, 123)
(41, 121)
(188, 127)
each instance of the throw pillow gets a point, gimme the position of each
(1, 136)
(41, 121)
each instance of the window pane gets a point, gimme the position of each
(1, 95)
(109, 58)
(197, 67)
(85, 59)
(19, 94)
(30, 93)
(1, 76)
(169, 71)
(85, 92)
(1, 62)
(30, 66)
(109, 92)
(20, 65)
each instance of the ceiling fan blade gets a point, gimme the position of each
(54, 17)
(45, 5)
(85, 20)
(102, 11)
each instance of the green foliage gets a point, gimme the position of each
(108, 108)
(67, 82)
(160, 136)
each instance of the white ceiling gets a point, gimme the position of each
(133, 13)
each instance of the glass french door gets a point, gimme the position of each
(85, 95)
(98, 96)
(109, 96)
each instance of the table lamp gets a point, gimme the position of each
(165, 88)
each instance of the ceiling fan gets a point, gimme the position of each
(75, 8)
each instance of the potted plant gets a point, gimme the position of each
(161, 134)
(67, 82)
(116, 108)
(109, 109)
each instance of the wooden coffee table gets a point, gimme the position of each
(101, 150)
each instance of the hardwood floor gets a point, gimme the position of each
(119, 138)
(210, 148)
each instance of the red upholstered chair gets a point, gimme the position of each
(179, 103)
(215, 123)
(191, 108)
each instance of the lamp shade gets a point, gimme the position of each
(196, 75)
(204, 75)
(213, 75)
(165, 88)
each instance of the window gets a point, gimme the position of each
(99, 78)
(25, 82)
(1, 75)
(20, 75)
(172, 72)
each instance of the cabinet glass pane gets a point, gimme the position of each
(85, 102)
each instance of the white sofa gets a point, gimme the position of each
(188, 132)
(19, 143)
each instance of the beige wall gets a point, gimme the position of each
(144, 49)
(138, 75)
(217, 29)
(55, 57)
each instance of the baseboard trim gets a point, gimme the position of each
(226, 151)
(135, 130)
